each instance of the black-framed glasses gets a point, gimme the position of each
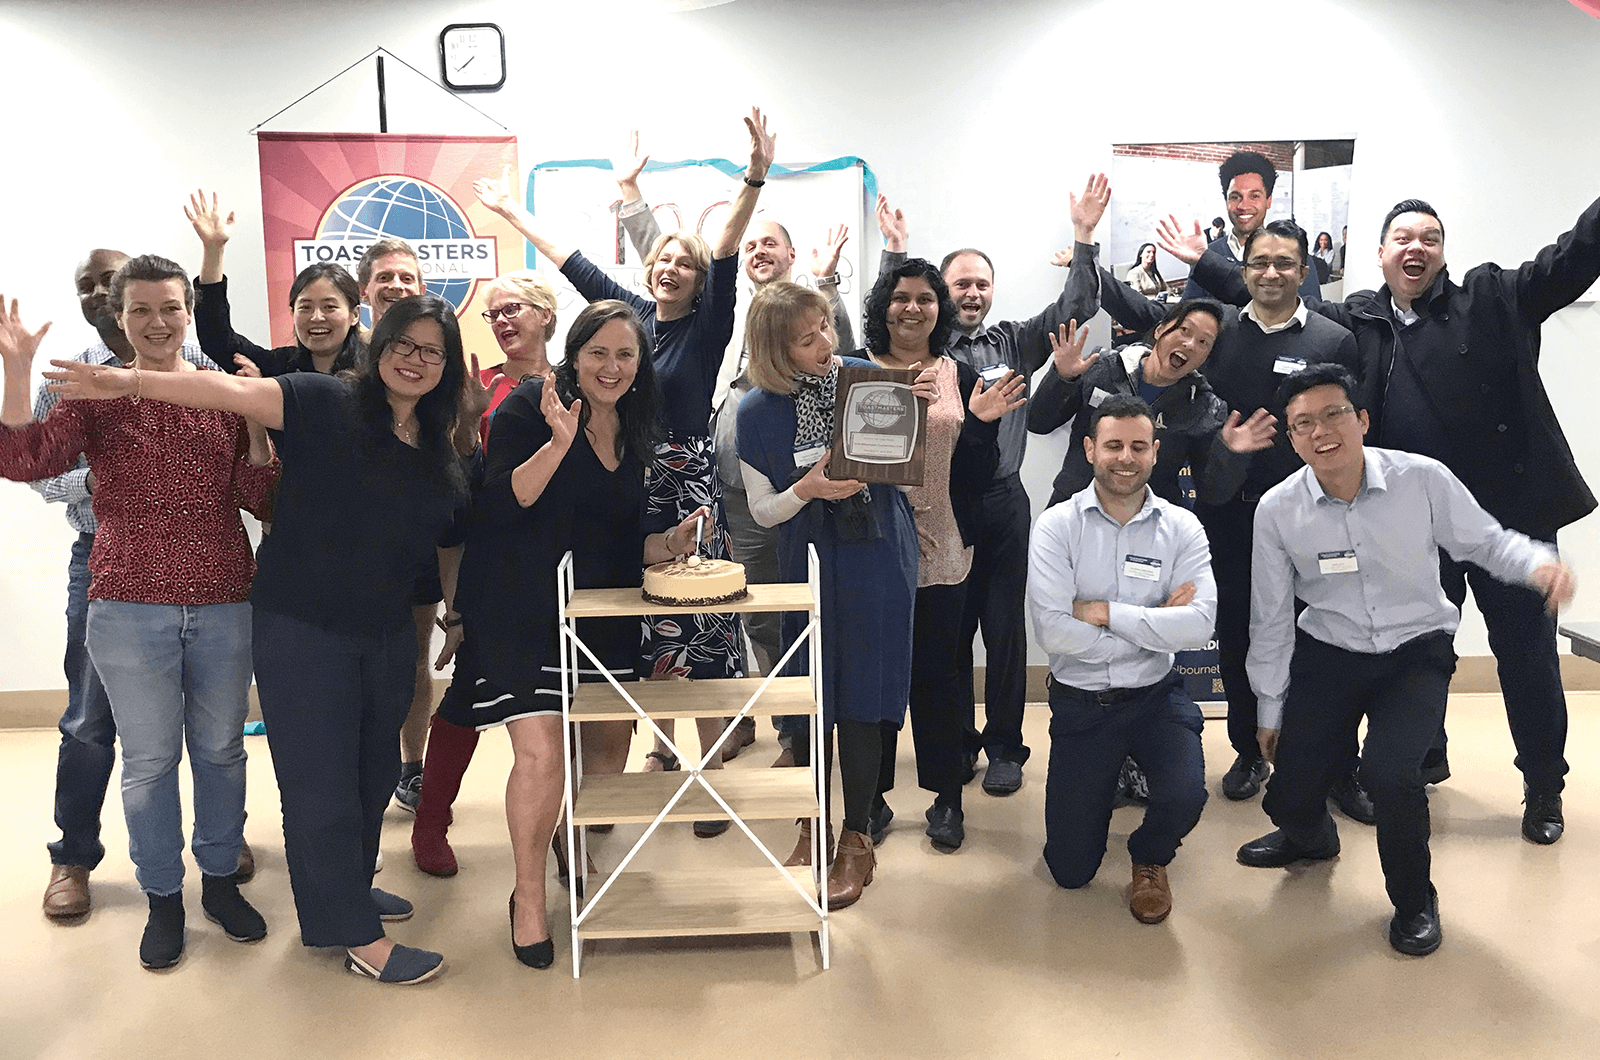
(509, 310)
(1304, 425)
(401, 346)
(1283, 265)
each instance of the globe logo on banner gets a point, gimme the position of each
(452, 257)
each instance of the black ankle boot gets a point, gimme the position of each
(224, 905)
(162, 944)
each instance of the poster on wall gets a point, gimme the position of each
(325, 197)
(576, 203)
(1309, 184)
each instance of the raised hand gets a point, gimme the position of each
(17, 343)
(1252, 435)
(1066, 350)
(763, 145)
(1187, 247)
(825, 262)
(496, 194)
(1182, 596)
(892, 223)
(627, 167)
(74, 379)
(213, 229)
(1557, 582)
(815, 485)
(246, 367)
(1004, 394)
(1087, 210)
(563, 420)
(474, 396)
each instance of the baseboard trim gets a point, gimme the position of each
(41, 708)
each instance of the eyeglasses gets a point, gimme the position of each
(1283, 265)
(1304, 425)
(509, 310)
(401, 346)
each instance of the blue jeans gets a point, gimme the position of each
(1160, 727)
(177, 673)
(88, 732)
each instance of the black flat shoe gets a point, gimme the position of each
(1275, 850)
(1245, 777)
(1542, 822)
(538, 955)
(1352, 800)
(946, 827)
(1419, 934)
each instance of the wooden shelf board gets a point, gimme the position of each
(755, 794)
(612, 603)
(700, 902)
(598, 701)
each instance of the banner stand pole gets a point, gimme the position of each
(383, 100)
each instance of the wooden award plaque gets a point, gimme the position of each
(879, 428)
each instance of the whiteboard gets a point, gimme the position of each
(575, 205)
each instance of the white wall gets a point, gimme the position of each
(976, 124)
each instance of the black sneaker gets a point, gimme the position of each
(1352, 799)
(223, 904)
(162, 944)
(408, 793)
(1245, 777)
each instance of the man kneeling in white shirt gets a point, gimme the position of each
(1356, 535)
(1119, 580)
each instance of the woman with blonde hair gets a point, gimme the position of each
(866, 546)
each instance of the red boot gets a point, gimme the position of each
(450, 749)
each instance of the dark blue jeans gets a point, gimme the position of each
(88, 733)
(1160, 727)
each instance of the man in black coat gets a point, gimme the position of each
(1452, 371)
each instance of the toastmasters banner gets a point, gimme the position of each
(325, 197)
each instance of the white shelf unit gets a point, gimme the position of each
(686, 902)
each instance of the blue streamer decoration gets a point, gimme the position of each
(869, 181)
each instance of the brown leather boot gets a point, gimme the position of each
(802, 846)
(852, 869)
(1149, 897)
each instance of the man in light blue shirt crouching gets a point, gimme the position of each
(1356, 536)
(1119, 580)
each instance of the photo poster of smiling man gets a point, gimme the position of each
(1310, 184)
(576, 203)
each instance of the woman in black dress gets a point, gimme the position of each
(564, 471)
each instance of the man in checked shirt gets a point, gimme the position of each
(1356, 535)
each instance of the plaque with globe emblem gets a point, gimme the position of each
(879, 427)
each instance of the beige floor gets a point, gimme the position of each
(972, 954)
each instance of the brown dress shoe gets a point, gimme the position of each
(853, 863)
(67, 895)
(743, 735)
(247, 865)
(785, 759)
(802, 846)
(1149, 897)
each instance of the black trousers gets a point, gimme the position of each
(1402, 695)
(938, 707)
(1230, 530)
(333, 706)
(1522, 635)
(1160, 726)
(997, 592)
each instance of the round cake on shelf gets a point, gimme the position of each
(695, 581)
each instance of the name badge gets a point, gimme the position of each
(1142, 567)
(805, 456)
(1338, 562)
(1096, 396)
(993, 372)
(1286, 365)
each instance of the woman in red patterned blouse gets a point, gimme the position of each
(169, 625)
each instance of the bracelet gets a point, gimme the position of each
(831, 280)
(138, 384)
(754, 183)
(666, 539)
(446, 623)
